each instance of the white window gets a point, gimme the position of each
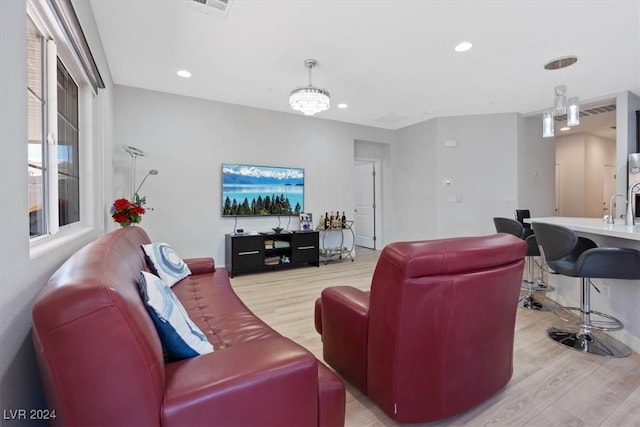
(36, 129)
(59, 93)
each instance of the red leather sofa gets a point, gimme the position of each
(101, 360)
(434, 336)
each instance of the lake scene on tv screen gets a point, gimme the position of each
(261, 190)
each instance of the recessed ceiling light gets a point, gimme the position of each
(463, 47)
(566, 128)
(184, 73)
(343, 105)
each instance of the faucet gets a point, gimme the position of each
(629, 217)
(610, 217)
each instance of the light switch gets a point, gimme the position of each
(448, 143)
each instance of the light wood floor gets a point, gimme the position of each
(551, 386)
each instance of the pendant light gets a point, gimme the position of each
(561, 105)
(309, 99)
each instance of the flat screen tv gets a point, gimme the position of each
(250, 190)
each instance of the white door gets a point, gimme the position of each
(365, 212)
(608, 190)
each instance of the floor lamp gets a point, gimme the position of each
(136, 196)
(135, 153)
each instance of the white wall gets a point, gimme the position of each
(536, 169)
(415, 184)
(22, 275)
(456, 188)
(483, 170)
(187, 140)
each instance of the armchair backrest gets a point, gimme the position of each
(441, 323)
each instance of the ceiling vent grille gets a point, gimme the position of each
(589, 112)
(603, 109)
(208, 6)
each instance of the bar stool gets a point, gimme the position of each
(511, 226)
(539, 285)
(521, 215)
(574, 256)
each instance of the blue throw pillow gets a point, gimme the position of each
(180, 337)
(165, 263)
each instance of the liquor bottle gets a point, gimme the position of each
(327, 221)
(338, 220)
(344, 220)
(332, 221)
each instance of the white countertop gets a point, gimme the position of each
(594, 226)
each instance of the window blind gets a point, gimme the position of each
(68, 21)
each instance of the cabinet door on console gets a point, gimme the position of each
(305, 247)
(248, 253)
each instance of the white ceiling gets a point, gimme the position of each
(392, 62)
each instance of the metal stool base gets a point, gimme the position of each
(590, 342)
(529, 302)
(542, 287)
(596, 320)
(536, 286)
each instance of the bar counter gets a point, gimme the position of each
(594, 226)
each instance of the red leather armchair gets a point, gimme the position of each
(434, 336)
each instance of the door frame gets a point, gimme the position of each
(377, 197)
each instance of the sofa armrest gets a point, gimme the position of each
(344, 321)
(201, 265)
(265, 382)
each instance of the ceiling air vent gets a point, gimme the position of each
(602, 109)
(220, 7)
(589, 112)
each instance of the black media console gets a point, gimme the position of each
(245, 253)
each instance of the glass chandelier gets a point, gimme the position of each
(560, 104)
(309, 99)
(560, 99)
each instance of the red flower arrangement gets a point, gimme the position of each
(126, 213)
